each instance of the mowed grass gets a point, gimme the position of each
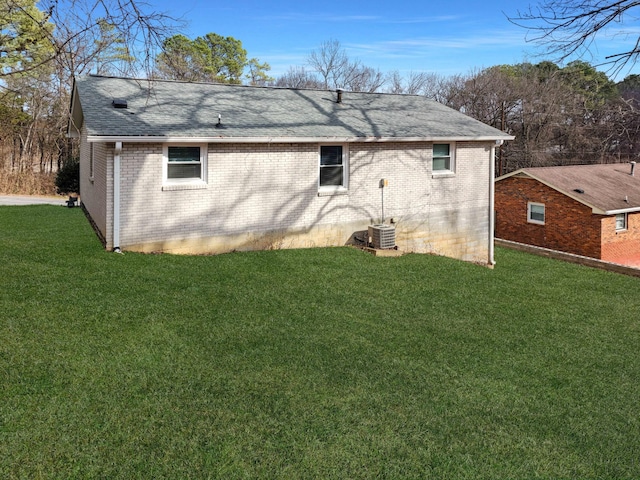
(322, 363)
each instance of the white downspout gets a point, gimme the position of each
(116, 197)
(492, 195)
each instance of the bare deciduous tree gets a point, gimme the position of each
(330, 61)
(298, 77)
(85, 29)
(336, 70)
(45, 44)
(416, 83)
(569, 27)
(360, 78)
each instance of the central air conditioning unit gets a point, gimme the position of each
(382, 236)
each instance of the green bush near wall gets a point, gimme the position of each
(68, 177)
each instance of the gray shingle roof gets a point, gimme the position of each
(605, 187)
(190, 110)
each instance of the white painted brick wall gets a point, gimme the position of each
(94, 192)
(264, 187)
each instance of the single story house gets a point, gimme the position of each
(209, 168)
(589, 210)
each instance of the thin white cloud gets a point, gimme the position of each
(315, 17)
(411, 46)
(453, 54)
(337, 18)
(438, 19)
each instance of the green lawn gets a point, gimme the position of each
(326, 363)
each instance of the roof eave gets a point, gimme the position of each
(594, 208)
(279, 139)
(620, 210)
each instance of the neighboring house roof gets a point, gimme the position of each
(173, 111)
(606, 188)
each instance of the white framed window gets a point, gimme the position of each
(333, 168)
(535, 213)
(443, 158)
(185, 163)
(621, 222)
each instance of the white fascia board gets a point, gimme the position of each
(511, 174)
(168, 139)
(622, 210)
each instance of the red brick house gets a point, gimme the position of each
(589, 210)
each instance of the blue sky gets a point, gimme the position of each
(445, 37)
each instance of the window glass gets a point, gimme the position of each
(331, 166)
(621, 221)
(184, 154)
(441, 156)
(331, 155)
(536, 212)
(184, 162)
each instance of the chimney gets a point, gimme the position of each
(339, 92)
(633, 167)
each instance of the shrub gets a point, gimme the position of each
(68, 177)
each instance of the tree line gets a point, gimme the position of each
(558, 114)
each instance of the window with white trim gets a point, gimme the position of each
(621, 222)
(185, 163)
(333, 168)
(443, 158)
(535, 213)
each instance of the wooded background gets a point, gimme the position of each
(560, 113)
